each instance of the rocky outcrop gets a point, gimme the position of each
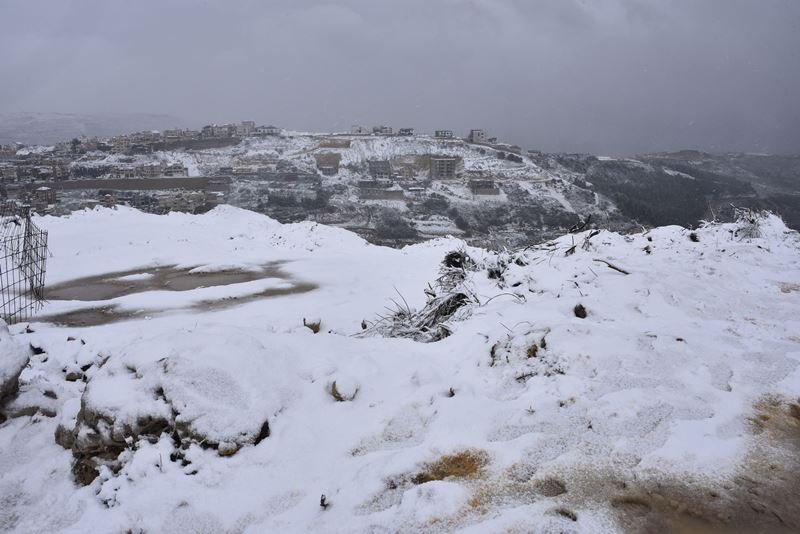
(156, 404)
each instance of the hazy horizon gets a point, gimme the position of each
(616, 77)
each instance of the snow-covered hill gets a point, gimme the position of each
(595, 383)
(498, 196)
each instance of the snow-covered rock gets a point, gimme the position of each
(13, 358)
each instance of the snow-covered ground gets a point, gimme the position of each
(570, 397)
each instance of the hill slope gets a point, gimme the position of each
(178, 387)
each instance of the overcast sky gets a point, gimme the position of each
(604, 76)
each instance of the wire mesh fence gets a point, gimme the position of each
(23, 260)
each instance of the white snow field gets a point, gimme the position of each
(569, 396)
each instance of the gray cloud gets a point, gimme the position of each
(609, 76)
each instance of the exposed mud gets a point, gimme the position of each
(165, 278)
(761, 496)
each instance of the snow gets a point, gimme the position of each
(660, 377)
(678, 173)
(14, 359)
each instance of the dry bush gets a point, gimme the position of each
(748, 222)
(448, 300)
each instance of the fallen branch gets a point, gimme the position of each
(612, 266)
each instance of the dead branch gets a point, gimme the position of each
(612, 266)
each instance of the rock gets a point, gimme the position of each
(64, 436)
(227, 449)
(73, 376)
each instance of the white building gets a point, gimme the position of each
(269, 130)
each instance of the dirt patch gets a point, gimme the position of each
(462, 464)
(164, 278)
(114, 314)
(169, 278)
(760, 497)
(789, 288)
(91, 317)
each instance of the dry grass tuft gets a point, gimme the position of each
(463, 464)
(532, 350)
(337, 395)
(313, 326)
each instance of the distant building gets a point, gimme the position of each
(328, 163)
(477, 136)
(328, 170)
(358, 130)
(147, 137)
(483, 187)
(44, 195)
(108, 200)
(120, 144)
(380, 169)
(178, 134)
(173, 135)
(176, 169)
(444, 168)
(443, 134)
(151, 170)
(269, 130)
(215, 131)
(406, 131)
(123, 171)
(8, 174)
(214, 198)
(382, 130)
(245, 128)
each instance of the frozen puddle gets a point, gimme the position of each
(118, 284)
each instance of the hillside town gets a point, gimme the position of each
(285, 174)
